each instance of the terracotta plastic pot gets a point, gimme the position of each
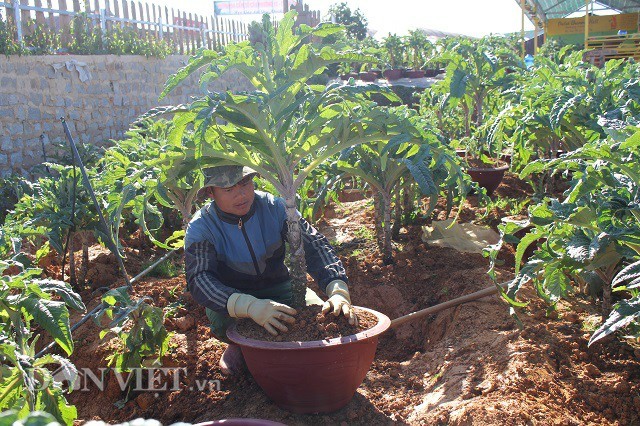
(367, 76)
(318, 376)
(488, 178)
(431, 72)
(393, 74)
(461, 153)
(414, 73)
(348, 76)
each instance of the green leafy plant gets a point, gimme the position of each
(140, 328)
(414, 155)
(476, 78)
(86, 38)
(395, 50)
(8, 43)
(26, 382)
(40, 39)
(589, 236)
(60, 209)
(558, 107)
(147, 171)
(12, 188)
(284, 120)
(418, 48)
(124, 40)
(166, 269)
(354, 21)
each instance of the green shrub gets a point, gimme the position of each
(40, 39)
(8, 45)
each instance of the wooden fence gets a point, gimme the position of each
(186, 31)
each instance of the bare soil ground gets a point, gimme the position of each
(469, 365)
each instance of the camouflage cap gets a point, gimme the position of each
(226, 176)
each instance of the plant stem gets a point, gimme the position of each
(378, 214)
(298, 267)
(387, 251)
(85, 257)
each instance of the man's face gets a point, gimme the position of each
(236, 199)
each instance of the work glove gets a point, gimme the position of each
(265, 312)
(339, 301)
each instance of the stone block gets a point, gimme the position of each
(8, 82)
(20, 113)
(5, 143)
(16, 159)
(34, 114)
(4, 160)
(16, 129)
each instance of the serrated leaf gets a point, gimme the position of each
(64, 291)
(53, 317)
(523, 245)
(556, 282)
(629, 272)
(53, 401)
(625, 313)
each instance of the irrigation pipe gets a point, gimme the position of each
(442, 306)
(101, 305)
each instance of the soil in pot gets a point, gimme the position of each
(311, 324)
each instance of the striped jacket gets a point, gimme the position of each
(226, 254)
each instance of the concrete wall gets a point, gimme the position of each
(99, 96)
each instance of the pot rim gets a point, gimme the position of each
(383, 324)
(489, 169)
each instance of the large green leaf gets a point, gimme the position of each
(53, 401)
(53, 317)
(630, 273)
(64, 291)
(624, 314)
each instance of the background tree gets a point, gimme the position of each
(355, 21)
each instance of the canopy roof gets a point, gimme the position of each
(540, 11)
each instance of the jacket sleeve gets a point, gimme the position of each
(322, 262)
(202, 278)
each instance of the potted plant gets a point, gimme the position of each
(418, 46)
(345, 71)
(256, 129)
(476, 77)
(366, 74)
(483, 164)
(394, 49)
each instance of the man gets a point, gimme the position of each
(234, 257)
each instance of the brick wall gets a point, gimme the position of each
(35, 91)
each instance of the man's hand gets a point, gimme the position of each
(265, 312)
(339, 301)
